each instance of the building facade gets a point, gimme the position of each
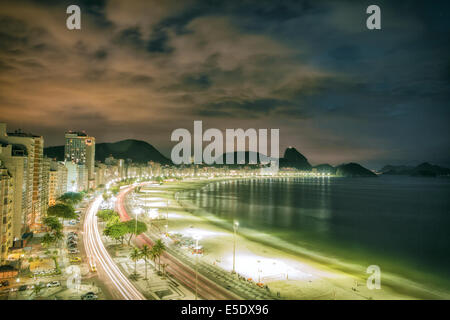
(57, 181)
(34, 145)
(15, 159)
(6, 212)
(79, 148)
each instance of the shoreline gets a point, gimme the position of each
(340, 276)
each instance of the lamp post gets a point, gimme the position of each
(196, 237)
(167, 211)
(259, 271)
(235, 227)
(136, 213)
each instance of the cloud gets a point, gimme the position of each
(143, 68)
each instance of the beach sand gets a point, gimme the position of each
(264, 258)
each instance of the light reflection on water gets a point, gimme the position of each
(399, 222)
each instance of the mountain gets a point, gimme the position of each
(56, 152)
(429, 170)
(294, 159)
(136, 150)
(325, 168)
(246, 157)
(424, 169)
(353, 170)
(390, 169)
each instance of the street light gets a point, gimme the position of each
(136, 213)
(235, 227)
(196, 237)
(259, 271)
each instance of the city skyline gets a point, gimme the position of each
(136, 73)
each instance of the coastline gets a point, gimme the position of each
(328, 278)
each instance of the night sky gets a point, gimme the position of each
(337, 91)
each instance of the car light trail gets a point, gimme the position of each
(96, 250)
(207, 289)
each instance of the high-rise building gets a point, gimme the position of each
(100, 174)
(15, 159)
(80, 149)
(77, 177)
(45, 181)
(57, 181)
(35, 150)
(6, 212)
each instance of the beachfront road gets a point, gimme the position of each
(206, 288)
(117, 282)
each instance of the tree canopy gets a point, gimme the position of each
(107, 215)
(132, 230)
(115, 190)
(62, 210)
(116, 231)
(71, 198)
(53, 223)
(131, 225)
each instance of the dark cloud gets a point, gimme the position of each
(242, 108)
(311, 68)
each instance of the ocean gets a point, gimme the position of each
(399, 223)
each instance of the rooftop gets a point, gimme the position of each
(78, 133)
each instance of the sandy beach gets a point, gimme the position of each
(287, 269)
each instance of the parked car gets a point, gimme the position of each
(72, 222)
(23, 287)
(74, 251)
(53, 284)
(89, 296)
(75, 260)
(4, 283)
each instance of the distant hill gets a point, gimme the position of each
(429, 170)
(246, 158)
(56, 152)
(390, 169)
(325, 168)
(136, 150)
(353, 170)
(425, 169)
(294, 159)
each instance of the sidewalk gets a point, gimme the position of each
(156, 287)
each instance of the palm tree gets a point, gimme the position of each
(37, 288)
(153, 255)
(146, 253)
(159, 248)
(135, 255)
(58, 236)
(47, 240)
(164, 266)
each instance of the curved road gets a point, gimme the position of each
(206, 288)
(95, 249)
